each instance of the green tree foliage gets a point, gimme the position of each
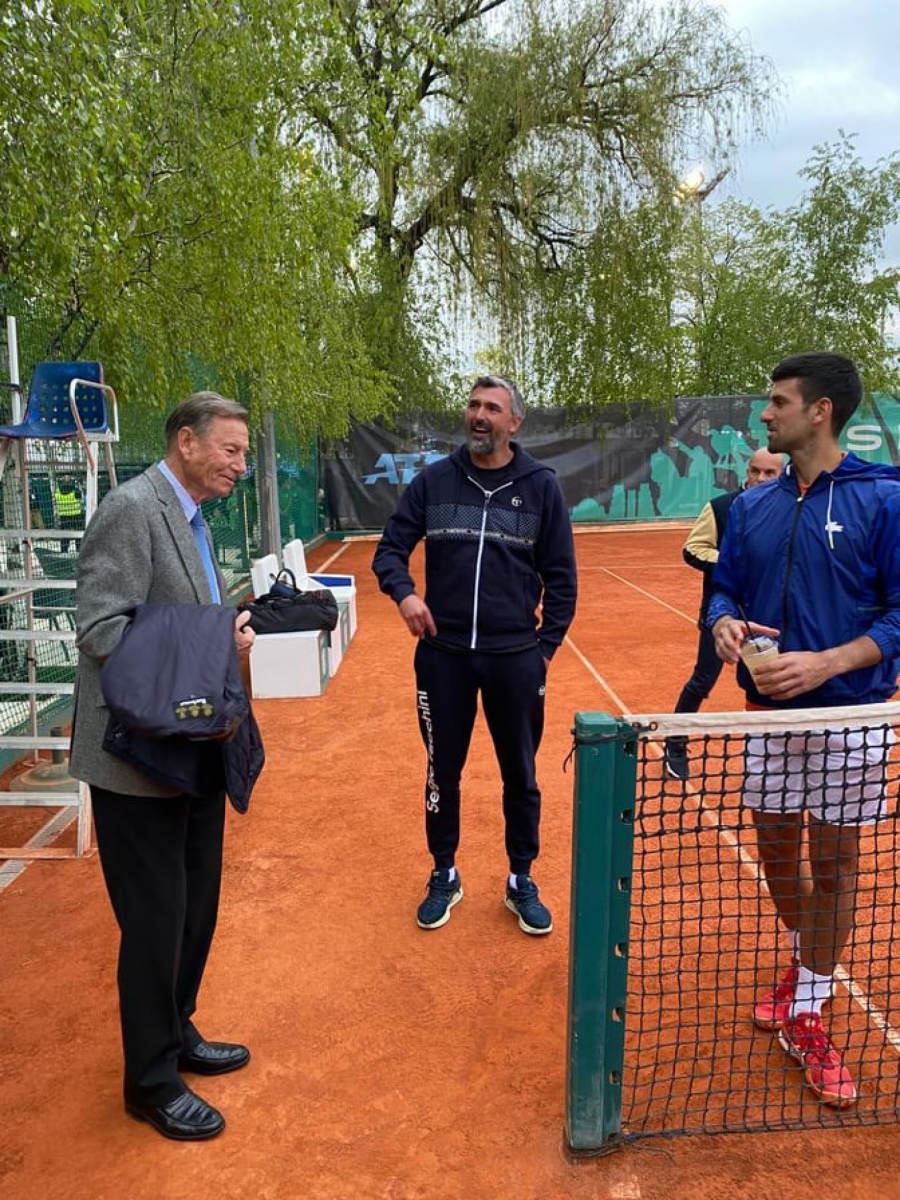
(756, 286)
(301, 201)
(153, 206)
(491, 143)
(604, 321)
(704, 298)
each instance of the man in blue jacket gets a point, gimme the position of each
(498, 546)
(814, 560)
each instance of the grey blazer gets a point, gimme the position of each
(138, 549)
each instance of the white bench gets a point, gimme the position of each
(286, 664)
(344, 589)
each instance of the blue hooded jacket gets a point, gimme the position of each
(824, 568)
(490, 557)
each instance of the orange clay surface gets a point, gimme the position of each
(388, 1063)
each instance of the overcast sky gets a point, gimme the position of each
(839, 61)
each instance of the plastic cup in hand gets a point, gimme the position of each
(758, 650)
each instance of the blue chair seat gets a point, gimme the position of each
(48, 412)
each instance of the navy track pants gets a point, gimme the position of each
(512, 690)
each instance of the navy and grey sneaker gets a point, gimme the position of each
(676, 759)
(523, 900)
(443, 893)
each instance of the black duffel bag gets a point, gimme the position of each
(285, 609)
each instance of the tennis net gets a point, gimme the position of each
(675, 934)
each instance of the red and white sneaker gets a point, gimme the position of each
(772, 1010)
(806, 1041)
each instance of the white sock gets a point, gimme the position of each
(811, 992)
(452, 875)
(795, 945)
(512, 882)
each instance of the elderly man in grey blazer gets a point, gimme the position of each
(161, 851)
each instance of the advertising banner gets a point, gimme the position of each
(621, 463)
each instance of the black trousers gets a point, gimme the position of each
(70, 522)
(707, 670)
(162, 863)
(512, 696)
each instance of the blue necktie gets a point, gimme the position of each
(198, 528)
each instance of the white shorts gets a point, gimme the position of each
(839, 777)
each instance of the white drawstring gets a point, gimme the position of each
(828, 525)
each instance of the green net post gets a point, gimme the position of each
(602, 846)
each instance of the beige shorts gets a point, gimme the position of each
(839, 777)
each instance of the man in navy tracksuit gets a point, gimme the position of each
(498, 544)
(813, 559)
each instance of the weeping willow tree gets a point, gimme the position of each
(605, 318)
(304, 201)
(496, 146)
(154, 213)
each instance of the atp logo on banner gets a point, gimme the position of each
(401, 469)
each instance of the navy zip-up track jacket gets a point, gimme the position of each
(491, 558)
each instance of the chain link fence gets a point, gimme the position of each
(52, 467)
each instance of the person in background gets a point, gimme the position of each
(814, 561)
(498, 545)
(34, 506)
(68, 500)
(701, 551)
(160, 850)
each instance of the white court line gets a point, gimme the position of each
(599, 678)
(320, 570)
(875, 1015)
(747, 861)
(650, 596)
(13, 867)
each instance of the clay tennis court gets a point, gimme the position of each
(388, 1062)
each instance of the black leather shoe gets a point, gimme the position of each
(214, 1058)
(187, 1118)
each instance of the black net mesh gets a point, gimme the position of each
(705, 1039)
